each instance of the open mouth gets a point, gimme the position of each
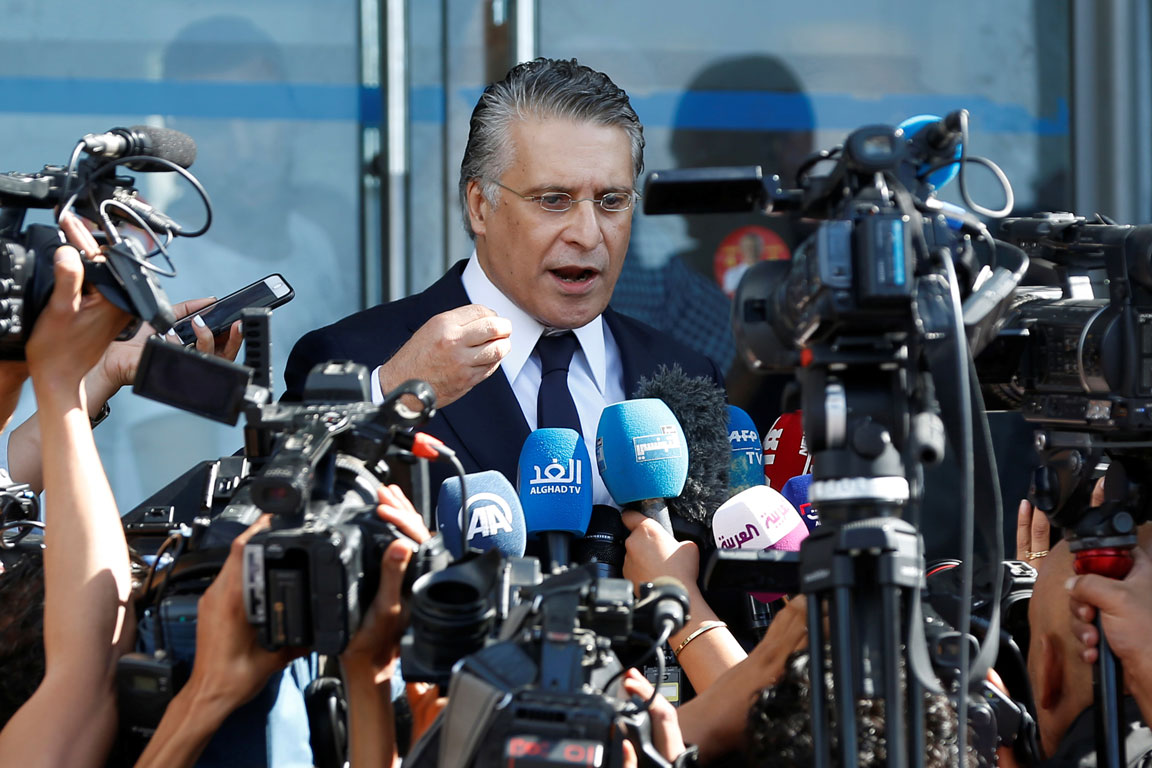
(574, 275)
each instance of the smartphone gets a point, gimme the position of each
(270, 292)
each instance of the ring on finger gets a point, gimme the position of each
(1037, 554)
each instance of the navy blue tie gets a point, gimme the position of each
(554, 404)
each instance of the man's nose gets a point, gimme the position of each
(582, 227)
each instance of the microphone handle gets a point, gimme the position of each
(559, 543)
(657, 509)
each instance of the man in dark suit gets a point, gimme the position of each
(547, 186)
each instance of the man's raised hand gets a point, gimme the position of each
(454, 351)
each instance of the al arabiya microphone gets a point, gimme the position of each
(759, 518)
(495, 519)
(747, 463)
(785, 451)
(554, 478)
(143, 141)
(642, 456)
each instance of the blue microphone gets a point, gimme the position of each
(796, 491)
(747, 467)
(642, 455)
(554, 477)
(495, 517)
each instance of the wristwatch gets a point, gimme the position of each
(100, 415)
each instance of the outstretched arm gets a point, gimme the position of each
(115, 369)
(71, 719)
(369, 661)
(704, 647)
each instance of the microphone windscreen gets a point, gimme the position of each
(785, 452)
(796, 491)
(555, 481)
(495, 517)
(701, 408)
(747, 464)
(759, 518)
(171, 145)
(640, 451)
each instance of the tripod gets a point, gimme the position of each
(865, 423)
(1101, 538)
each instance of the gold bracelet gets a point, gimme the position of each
(705, 626)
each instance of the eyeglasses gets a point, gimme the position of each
(558, 202)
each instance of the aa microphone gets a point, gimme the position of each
(554, 476)
(796, 491)
(700, 407)
(747, 462)
(143, 141)
(642, 456)
(759, 518)
(785, 451)
(495, 519)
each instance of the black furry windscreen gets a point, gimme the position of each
(702, 410)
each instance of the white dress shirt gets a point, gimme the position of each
(595, 376)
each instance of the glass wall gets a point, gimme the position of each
(274, 95)
(271, 93)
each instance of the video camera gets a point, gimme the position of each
(875, 314)
(531, 661)
(1075, 356)
(315, 466)
(90, 186)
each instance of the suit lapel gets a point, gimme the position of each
(635, 357)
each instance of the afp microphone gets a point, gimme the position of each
(759, 518)
(554, 477)
(642, 456)
(495, 519)
(747, 467)
(143, 141)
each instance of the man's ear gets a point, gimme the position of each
(1050, 685)
(479, 209)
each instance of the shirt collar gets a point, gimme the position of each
(526, 329)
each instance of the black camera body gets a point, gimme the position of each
(124, 277)
(314, 466)
(1081, 357)
(532, 662)
(309, 586)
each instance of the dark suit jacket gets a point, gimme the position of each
(485, 427)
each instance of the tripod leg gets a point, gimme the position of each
(1108, 691)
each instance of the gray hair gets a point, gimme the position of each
(544, 88)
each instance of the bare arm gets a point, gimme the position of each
(715, 720)
(86, 569)
(369, 661)
(115, 369)
(652, 552)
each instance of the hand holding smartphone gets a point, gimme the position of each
(273, 291)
